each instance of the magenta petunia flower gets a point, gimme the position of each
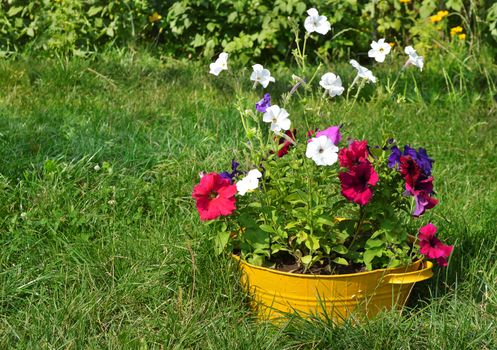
(357, 182)
(431, 247)
(355, 153)
(215, 197)
(422, 191)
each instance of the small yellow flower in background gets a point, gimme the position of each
(392, 44)
(435, 18)
(442, 14)
(405, 1)
(462, 36)
(154, 17)
(455, 30)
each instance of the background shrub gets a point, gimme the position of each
(246, 28)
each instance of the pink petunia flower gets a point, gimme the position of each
(333, 133)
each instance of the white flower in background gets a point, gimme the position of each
(332, 84)
(363, 72)
(414, 58)
(278, 117)
(322, 151)
(379, 50)
(220, 64)
(261, 75)
(316, 23)
(249, 182)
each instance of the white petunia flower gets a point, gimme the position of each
(363, 72)
(278, 117)
(316, 23)
(379, 50)
(249, 182)
(322, 151)
(332, 84)
(261, 75)
(220, 64)
(414, 58)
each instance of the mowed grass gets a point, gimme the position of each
(101, 245)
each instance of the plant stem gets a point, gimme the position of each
(350, 87)
(314, 75)
(303, 53)
(362, 213)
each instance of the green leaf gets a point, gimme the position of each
(267, 228)
(211, 26)
(306, 260)
(370, 254)
(94, 10)
(340, 249)
(257, 238)
(455, 5)
(199, 40)
(295, 198)
(312, 243)
(14, 11)
(291, 225)
(232, 17)
(376, 152)
(300, 7)
(374, 243)
(257, 260)
(325, 220)
(301, 237)
(255, 205)
(221, 241)
(109, 31)
(340, 261)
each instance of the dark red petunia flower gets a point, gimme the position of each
(431, 247)
(417, 185)
(410, 170)
(311, 133)
(357, 182)
(215, 197)
(286, 143)
(352, 155)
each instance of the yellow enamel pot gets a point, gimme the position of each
(359, 295)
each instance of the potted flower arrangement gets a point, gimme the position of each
(319, 222)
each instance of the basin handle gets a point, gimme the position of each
(410, 277)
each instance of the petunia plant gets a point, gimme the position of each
(315, 200)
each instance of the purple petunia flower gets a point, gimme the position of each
(424, 162)
(263, 104)
(394, 159)
(234, 172)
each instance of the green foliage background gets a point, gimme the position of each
(247, 28)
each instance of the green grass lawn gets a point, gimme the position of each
(114, 255)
